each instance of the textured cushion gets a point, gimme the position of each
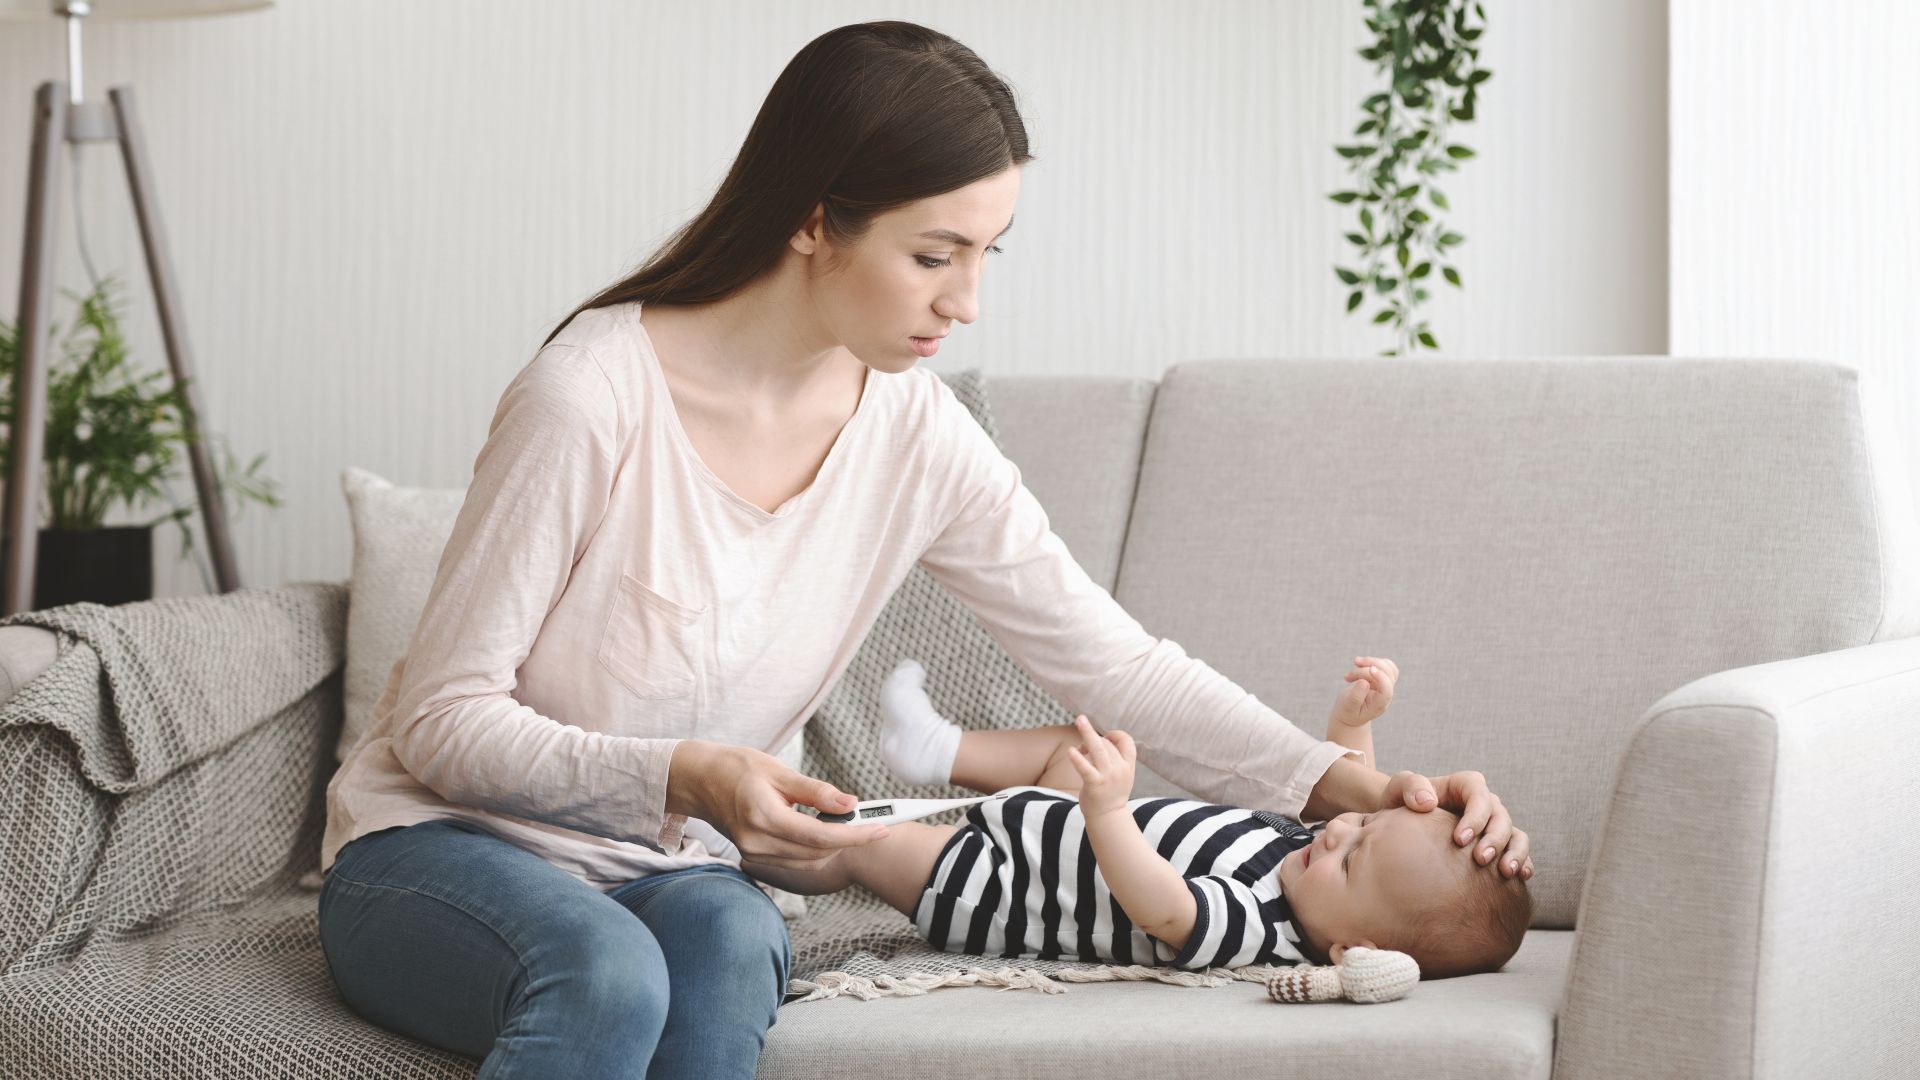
(1545, 546)
(1481, 1026)
(398, 535)
(25, 652)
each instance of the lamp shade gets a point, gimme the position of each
(130, 9)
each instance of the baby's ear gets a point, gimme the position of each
(1340, 948)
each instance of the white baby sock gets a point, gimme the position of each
(917, 745)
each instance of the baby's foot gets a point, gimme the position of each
(917, 745)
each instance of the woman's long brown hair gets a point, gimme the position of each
(864, 119)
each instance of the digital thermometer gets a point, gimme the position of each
(893, 811)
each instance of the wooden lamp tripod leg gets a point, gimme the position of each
(29, 425)
(173, 329)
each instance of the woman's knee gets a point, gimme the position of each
(603, 962)
(720, 923)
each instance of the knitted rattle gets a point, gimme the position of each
(1363, 975)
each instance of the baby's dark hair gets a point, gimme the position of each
(1476, 929)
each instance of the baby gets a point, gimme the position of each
(1068, 866)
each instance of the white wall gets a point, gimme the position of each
(1795, 148)
(379, 209)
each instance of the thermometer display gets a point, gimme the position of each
(890, 811)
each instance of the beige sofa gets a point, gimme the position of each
(1668, 607)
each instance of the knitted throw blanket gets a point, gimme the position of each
(162, 791)
(853, 943)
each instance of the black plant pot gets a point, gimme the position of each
(112, 565)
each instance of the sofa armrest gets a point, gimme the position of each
(1746, 909)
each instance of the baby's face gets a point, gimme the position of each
(1366, 874)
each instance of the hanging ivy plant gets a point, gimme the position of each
(1429, 48)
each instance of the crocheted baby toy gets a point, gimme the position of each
(1363, 975)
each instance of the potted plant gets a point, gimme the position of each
(111, 439)
(1429, 51)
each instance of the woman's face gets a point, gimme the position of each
(899, 283)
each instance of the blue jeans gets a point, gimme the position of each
(448, 934)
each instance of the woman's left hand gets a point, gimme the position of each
(1484, 821)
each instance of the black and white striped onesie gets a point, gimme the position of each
(1019, 879)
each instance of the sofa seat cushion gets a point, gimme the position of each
(1486, 1026)
(138, 1008)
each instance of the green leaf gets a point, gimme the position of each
(1427, 340)
(1383, 316)
(1439, 200)
(1353, 151)
(1344, 197)
(1386, 284)
(1353, 301)
(1479, 77)
(1420, 271)
(1347, 275)
(1407, 192)
(1459, 152)
(1418, 217)
(1357, 239)
(1450, 274)
(1366, 219)
(1366, 126)
(1402, 255)
(1450, 239)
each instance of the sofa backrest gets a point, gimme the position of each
(1545, 547)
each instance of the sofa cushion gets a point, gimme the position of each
(25, 652)
(1546, 547)
(275, 1013)
(1486, 1026)
(1077, 440)
(398, 535)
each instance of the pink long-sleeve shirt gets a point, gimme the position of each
(605, 595)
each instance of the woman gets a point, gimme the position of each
(690, 507)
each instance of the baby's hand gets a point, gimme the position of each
(1105, 766)
(1369, 690)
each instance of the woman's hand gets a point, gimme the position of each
(1484, 822)
(748, 795)
(1105, 765)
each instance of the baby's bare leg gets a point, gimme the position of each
(897, 867)
(989, 761)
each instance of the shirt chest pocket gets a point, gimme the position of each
(650, 643)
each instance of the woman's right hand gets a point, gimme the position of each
(748, 795)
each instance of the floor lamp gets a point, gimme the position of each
(60, 118)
